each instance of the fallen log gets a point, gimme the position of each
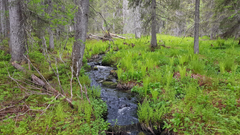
(107, 36)
(91, 36)
(116, 36)
(40, 82)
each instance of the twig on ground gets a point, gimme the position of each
(7, 107)
(38, 72)
(49, 104)
(19, 85)
(71, 81)
(58, 77)
(86, 94)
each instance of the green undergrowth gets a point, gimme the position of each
(39, 113)
(185, 92)
(189, 93)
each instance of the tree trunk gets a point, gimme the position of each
(4, 18)
(51, 39)
(138, 22)
(7, 30)
(231, 31)
(81, 18)
(196, 32)
(153, 17)
(17, 34)
(128, 18)
(50, 32)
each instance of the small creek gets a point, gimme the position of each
(122, 105)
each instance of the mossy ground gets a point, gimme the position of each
(31, 116)
(189, 93)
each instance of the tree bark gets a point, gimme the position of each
(81, 18)
(196, 32)
(128, 18)
(50, 32)
(2, 13)
(51, 39)
(4, 18)
(231, 31)
(153, 32)
(138, 23)
(17, 34)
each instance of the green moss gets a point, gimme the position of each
(109, 84)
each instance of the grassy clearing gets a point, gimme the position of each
(189, 93)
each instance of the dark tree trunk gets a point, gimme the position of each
(81, 21)
(4, 18)
(196, 32)
(154, 23)
(2, 12)
(231, 31)
(17, 34)
(50, 32)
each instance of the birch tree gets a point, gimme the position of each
(81, 22)
(138, 22)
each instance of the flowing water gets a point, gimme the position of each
(122, 105)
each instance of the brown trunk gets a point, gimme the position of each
(4, 18)
(231, 31)
(153, 17)
(196, 32)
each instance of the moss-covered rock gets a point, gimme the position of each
(107, 62)
(109, 84)
(113, 73)
(95, 68)
(141, 133)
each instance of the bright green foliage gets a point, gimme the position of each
(59, 118)
(201, 100)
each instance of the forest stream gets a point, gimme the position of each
(122, 105)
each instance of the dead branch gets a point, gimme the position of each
(86, 94)
(41, 83)
(80, 87)
(49, 104)
(19, 85)
(7, 108)
(71, 82)
(58, 77)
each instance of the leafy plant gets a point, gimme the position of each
(182, 71)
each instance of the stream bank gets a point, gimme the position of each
(122, 104)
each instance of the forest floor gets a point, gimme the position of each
(187, 93)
